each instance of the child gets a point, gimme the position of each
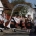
(12, 25)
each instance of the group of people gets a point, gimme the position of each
(17, 21)
(22, 22)
(2, 21)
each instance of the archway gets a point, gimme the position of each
(20, 5)
(13, 11)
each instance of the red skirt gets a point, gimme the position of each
(16, 24)
(23, 24)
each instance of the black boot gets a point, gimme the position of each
(1, 30)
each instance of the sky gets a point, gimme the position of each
(30, 1)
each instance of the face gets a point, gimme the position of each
(29, 16)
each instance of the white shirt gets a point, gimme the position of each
(1, 18)
(17, 20)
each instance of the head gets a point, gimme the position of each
(23, 16)
(29, 16)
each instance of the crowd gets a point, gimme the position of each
(21, 21)
(17, 21)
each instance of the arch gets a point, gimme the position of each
(20, 5)
(16, 7)
(13, 11)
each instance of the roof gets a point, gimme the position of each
(1, 5)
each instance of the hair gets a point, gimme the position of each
(23, 16)
(29, 15)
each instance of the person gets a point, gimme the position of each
(29, 23)
(35, 25)
(1, 22)
(17, 20)
(23, 22)
(12, 24)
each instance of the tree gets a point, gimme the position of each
(15, 13)
(23, 11)
(17, 1)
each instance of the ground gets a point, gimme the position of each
(9, 32)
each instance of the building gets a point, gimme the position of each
(1, 10)
(31, 12)
(1, 7)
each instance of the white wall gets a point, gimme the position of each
(30, 12)
(1, 7)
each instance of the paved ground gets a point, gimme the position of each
(10, 33)
(16, 35)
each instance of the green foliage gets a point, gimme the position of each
(15, 13)
(9, 13)
(17, 1)
(20, 0)
(23, 11)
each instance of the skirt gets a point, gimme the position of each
(1, 26)
(12, 26)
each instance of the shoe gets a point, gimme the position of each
(1, 30)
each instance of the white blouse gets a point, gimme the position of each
(17, 20)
